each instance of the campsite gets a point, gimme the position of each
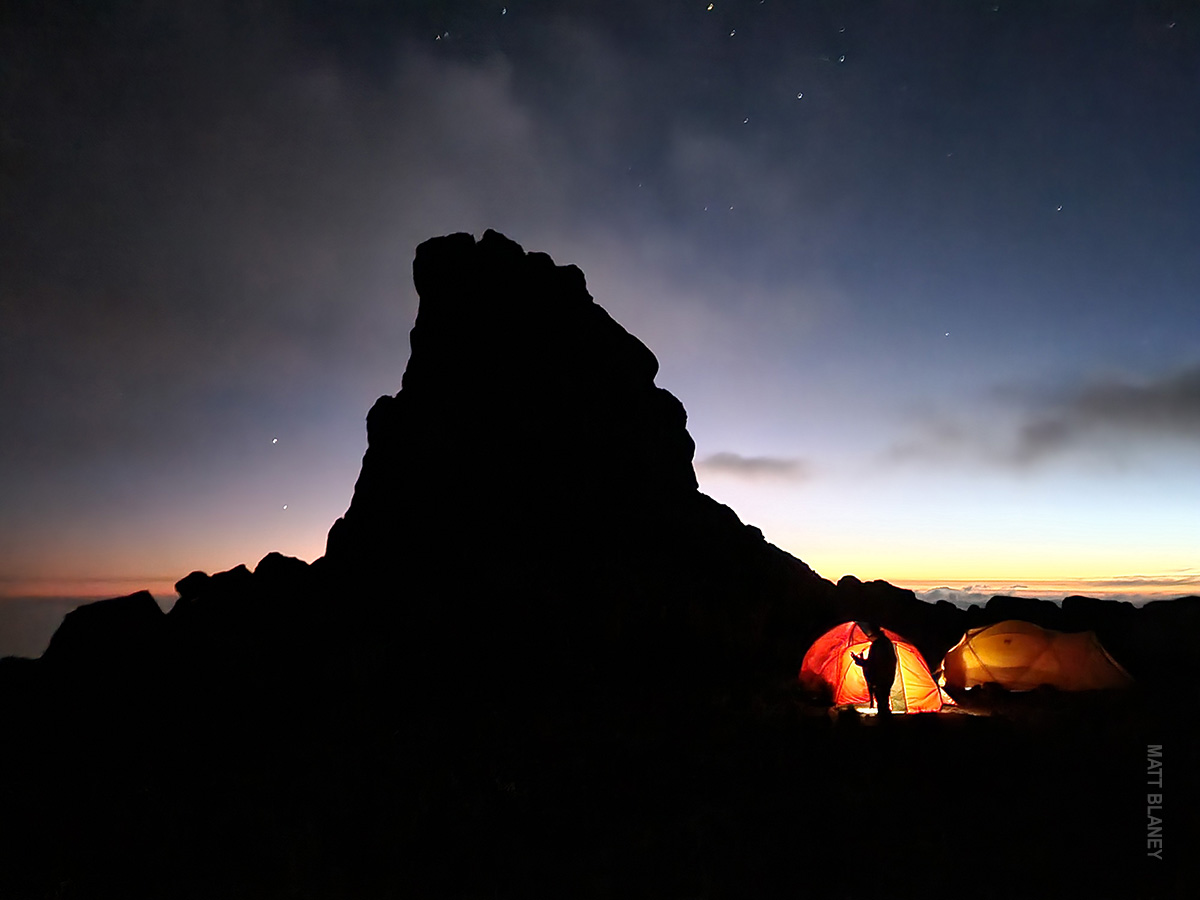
(653, 701)
(708, 450)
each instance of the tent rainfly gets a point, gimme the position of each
(828, 665)
(1021, 656)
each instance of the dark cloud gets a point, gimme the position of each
(209, 216)
(1024, 427)
(207, 219)
(1137, 410)
(754, 467)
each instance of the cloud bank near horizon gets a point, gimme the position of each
(1137, 590)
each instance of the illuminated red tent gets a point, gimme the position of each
(828, 664)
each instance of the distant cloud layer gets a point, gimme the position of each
(754, 467)
(1136, 589)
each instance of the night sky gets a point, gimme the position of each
(925, 275)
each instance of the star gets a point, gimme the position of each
(710, 6)
(285, 506)
(1060, 207)
(274, 440)
(800, 96)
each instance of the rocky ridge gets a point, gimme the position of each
(529, 610)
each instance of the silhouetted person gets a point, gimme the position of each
(879, 668)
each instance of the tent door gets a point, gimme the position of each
(899, 704)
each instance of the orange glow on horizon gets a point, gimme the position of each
(99, 588)
(98, 575)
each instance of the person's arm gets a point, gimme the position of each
(858, 660)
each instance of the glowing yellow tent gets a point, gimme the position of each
(1021, 656)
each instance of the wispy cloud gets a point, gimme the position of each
(1166, 406)
(754, 467)
(1020, 427)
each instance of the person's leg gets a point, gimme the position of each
(885, 705)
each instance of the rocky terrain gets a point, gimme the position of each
(536, 660)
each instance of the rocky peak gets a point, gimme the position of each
(524, 409)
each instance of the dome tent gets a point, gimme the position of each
(829, 665)
(1021, 656)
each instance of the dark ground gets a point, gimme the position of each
(311, 798)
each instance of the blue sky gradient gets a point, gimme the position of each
(923, 274)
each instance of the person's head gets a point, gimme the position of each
(870, 629)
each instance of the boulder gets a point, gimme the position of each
(107, 633)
